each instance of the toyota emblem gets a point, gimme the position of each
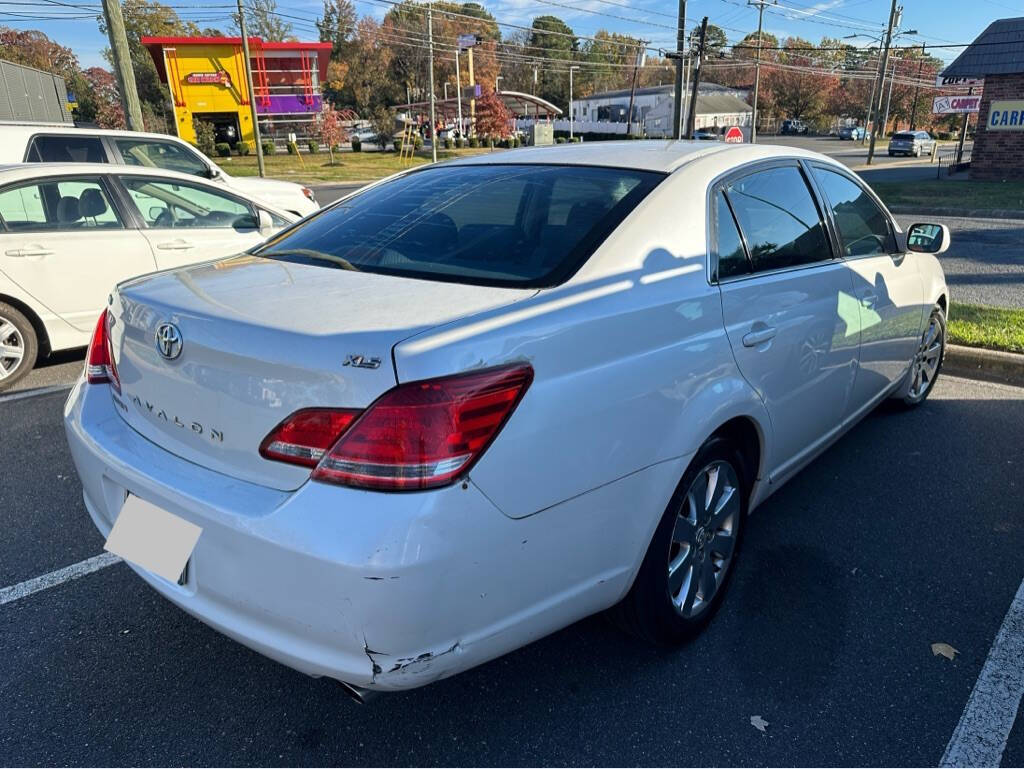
(168, 340)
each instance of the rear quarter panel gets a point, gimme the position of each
(632, 365)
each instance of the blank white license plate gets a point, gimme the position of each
(153, 538)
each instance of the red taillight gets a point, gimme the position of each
(304, 437)
(425, 434)
(100, 367)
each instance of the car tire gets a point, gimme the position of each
(927, 361)
(18, 346)
(667, 607)
(892, 154)
(917, 152)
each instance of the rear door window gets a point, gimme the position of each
(64, 148)
(514, 225)
(72, 204)
(160, 154)
(779, 219)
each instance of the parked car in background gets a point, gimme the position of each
(706, 134)
(915, 143)
(854, 132)
(53, 144)
(589, 362)
(794, 126)
(70, 232)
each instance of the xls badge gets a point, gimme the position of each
(360, 361)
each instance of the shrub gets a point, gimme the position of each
(448, 143)
(293, 148)
(223, 149)
(460, 143)
(398, 143)
(205, 136)
(243, 148)
(576, 139)
(357, 144)
(560, 140)
(269, 148)
(474, 142)
(313, 146)
(417, 142)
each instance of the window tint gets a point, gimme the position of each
(67, 149)
(863, 228)
(157, 154)
(525, 225)
(732, 259)
(779, 219)
(904, 137)
(77, 205)
(165, 204)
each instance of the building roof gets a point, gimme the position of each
(525, 104)
(654, 89)
(999, 50)
(156, 46)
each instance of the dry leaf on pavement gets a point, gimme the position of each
(758, 723)
(945, 650)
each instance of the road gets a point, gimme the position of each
(905, 533)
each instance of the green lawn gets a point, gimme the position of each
(348, 166)
(941, 193)
(993, 327)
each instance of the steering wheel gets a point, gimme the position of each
(165, 219)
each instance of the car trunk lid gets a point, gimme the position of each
(260, 339)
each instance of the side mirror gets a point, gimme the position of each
(213, 172)
(266, 222)
(928, 238)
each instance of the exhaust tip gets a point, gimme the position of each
(357, 693)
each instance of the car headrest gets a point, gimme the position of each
(92, 203)
(68, 210)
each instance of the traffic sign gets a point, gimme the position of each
(734, 135)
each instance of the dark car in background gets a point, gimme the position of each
(854, 132)
(915, 143)
(794, 126)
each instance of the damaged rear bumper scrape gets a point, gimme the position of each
(379, 591)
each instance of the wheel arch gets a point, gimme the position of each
(748, 436)
(38, 326)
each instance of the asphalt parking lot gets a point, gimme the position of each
(905, 533)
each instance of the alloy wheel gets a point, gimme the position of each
(12, 348)
(704, 538)
(926, 361)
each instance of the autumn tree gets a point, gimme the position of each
(262, 20)
(331, 131)
(493, 119)
(799, 92)
(337, 26)
(558, 42)
(103, 84)
(367, 85)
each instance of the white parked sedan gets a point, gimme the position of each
(69, 232)
(35, 143)
(479, 401)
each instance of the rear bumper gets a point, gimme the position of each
(384, 591)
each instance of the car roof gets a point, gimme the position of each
(31, 129)
(15, 171)
(664, 156)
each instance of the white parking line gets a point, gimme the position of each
(16, 396)
(980, 737)
(59, 577)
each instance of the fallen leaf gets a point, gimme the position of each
(758, 723)
(945, 650)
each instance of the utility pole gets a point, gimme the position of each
(757, 65)
(677, 108)
(472, 98)
(888, 99)
(691, 117)
(885, 65)
(917, 89)
(251, 90)
(123, 64)
(458, 92)
(570, 101)
(632, 89)
(430, 63)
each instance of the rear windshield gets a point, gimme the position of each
(507, 225)
(904, 137)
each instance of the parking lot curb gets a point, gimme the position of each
(987, 365)
(970, 213)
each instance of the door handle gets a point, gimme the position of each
(762, 335)
(175, 245)
(29, 251)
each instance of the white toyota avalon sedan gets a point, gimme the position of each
(476, 402)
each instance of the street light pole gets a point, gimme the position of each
(888, 99)
(570, 101)
(458, 91)
(430, 63)
(121, 56)
(885, 66)
(757, 65)
(677, 108)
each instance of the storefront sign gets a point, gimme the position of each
(1005, 116)
(953, 105)
(734, 135)
(209, 78)
(957, 82)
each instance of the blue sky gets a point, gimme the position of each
(937, 22)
